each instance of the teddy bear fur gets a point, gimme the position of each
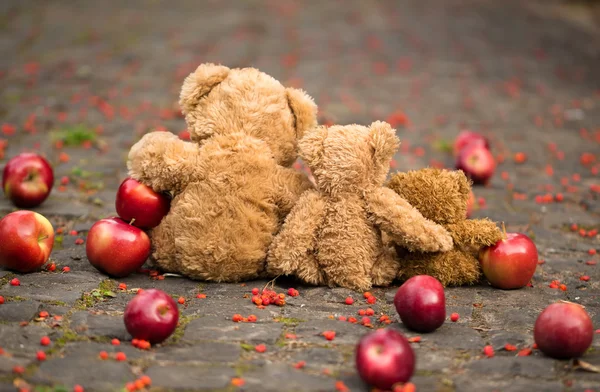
(332, 236)
(232, 185)
(441, 196)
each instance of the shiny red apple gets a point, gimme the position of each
(511, 262)
(151, 315)
(563, 330)
(27, 180)
(421, 303)
(384, 358)
(466, 138)
(26, 240)
(116, 247)
(139, 203)
(477, 162)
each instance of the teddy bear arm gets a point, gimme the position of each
(404, 224)
(475, 233)
(292, 249)
(164, 162)
(289, 185)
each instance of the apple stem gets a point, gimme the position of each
(133, 220)
(503, 231)
(43, 237)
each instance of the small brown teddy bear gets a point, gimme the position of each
(441, 196)
(232, 185)
(332, 235)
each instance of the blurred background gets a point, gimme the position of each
(82, 80)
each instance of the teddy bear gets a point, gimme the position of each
(232, 184)
(332, 236)
(441, 195)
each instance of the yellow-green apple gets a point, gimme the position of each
(26, 240)
(27, 180)
(563, 330)
(116, 247)
(511, 262)
(140, 205)
(151, 315)
(384, 358)
(477, 162)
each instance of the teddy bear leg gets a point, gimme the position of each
(452, 268)
(164, 253)
(385, 268)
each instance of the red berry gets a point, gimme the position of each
(201, 296)
(367, 294)
(1, 300)
(18, 369)
(41, 356)
(121, 356)
(366, 321)
(79, 241)
(44, 314)
(45, 341)
(181, 300)
(369, 312)
(252, 318)
(371, 300)
(585, 278)
(414, 339)
(255, 291)
(342, 318)
(237, 318)
(135, 342)
(349, 301)
(146, 380)
(592, 251)
(510, 347)
(122, 286)
(103, 355)
(329, 335)
(15, 282)
(488, 351)
(352, 320)
(66, 269)
(454, 317)
(130, 387)
(115, 342)
(261, 348)
(77, 388)
(362, 312)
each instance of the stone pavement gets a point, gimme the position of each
(81, 81)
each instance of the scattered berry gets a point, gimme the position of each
(146, 380)
(15, 282)
(122, 286)
(341, 387)
(18, 369)
(592, 251)
(41, 356)
(121, 356)
(79, 241)
(181, 300)
(293, 292)
(201, 296)
(237, 382)
(349, 301)
(255, 291)
(369, 312)
(454, 317)
(300, 364)
(510, 347)
(414, 339)
(237, 318)
(252, 318)
(51, 267)
(45, 341)
(329, 335)
(367, 294)
(103, 355)
(44, 314)
(524, 352)
(585, 278)
(77, 388)
(260, 348)
(115, 342)
(488, 351)
(342, 318)
(371, 300)
(66, 269)
(1, 300)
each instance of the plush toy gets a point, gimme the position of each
(333, 235)
(232, 186)
(441, 195)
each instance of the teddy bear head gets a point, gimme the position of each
(440, 195)
(349, 158)
(217, 100)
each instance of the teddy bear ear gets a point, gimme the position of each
(199, 83)
(311, 145)
(304, 110)
(383, 140)
(464, 183)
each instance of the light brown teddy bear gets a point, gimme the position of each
(333, 235)
(441, 195)
(232, 185)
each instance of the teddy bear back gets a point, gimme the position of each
(217, 100)
(439, 195)
(349, 158)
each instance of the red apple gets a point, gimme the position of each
(27, 180)
(384, 358)
(26, 240)
(138, 202)
(466, 138)
(477, 162)
(151, 315)
(421, 303)
(511, 262)
(117, 248)
(563, 330)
